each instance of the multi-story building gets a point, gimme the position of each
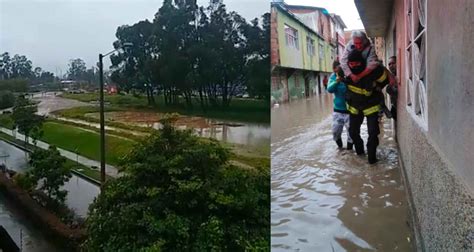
(303, 47)
(435, 127)
(339, 35)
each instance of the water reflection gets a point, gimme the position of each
(18, 226)
(80, 192)
(253, 134)
(324, 199)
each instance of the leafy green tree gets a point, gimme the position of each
(258, 63)
(131, 65)
(180, 193)
(25, 118)
(50, 173)
(19, 67)
(77, 69)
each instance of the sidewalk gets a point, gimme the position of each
(109, 169)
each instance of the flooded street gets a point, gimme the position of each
(325, 199)
(49, 102)
(33, 240)
(80, 192)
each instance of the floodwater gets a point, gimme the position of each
(81, 193)
(10, 217)
(325, 199)
(49, 102)
(20, 229)
(253, 134)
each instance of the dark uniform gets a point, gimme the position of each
(363, 100)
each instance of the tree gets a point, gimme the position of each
(180, 193)
(20, 67)
(258, 63)
(25, 118)
(77, 69)
(49, 171)
(7, 99)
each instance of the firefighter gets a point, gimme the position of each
(363, 100)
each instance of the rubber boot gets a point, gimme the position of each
(339, 143)
(372, 155)
(349, 146)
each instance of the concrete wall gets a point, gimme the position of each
(438, 160)
(296, 86)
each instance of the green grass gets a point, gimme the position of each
(85, 170)
(245, 110)
(87, 143)
(6, 121)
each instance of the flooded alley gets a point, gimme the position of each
(325, 199)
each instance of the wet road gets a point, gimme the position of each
(109, 169)
(325, 199)
(49, 102)
(18, 226)
(81, 193)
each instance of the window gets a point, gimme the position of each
(333, 54)
(321, 51)
(291, 35)
(417, 84)
(310, 46)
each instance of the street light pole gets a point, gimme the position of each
(101, 112)
(102, 122)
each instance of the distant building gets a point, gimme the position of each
(339, 34)
(304, 43)
(432, 41)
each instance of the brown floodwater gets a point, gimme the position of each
(325, 199)
(253, 134)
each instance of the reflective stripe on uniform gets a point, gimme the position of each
(358, 90)
(366, 112)
(371, 110)
(383, 77)
(352, 109)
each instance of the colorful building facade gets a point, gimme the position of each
(303, 47)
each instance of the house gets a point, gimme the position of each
(304, 43)
(435, 128)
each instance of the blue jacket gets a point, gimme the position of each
(339, 89)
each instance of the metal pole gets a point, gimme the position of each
(102, 122)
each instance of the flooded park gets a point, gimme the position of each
(326, 199)
(242, 133)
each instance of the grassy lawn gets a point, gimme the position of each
(86, 142)
(69, 136)
(245, 110)
(6, 121)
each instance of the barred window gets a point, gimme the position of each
(417, 84)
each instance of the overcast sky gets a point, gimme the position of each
(344, 8)
(51, 32)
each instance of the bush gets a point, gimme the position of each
(180, 193)
(7, 99)
(25, 181)
(14, 85)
